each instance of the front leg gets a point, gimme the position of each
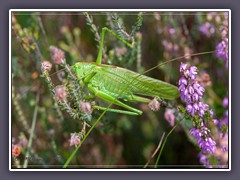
(99, 58)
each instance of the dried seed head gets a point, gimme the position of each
(154, 105)
(16, 150)
(60, 93)
(75, 139)
(85, 107)
(57, 55)
(46, 66)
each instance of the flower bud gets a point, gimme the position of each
(85, 107)
(75, 139)
(60, 93)
(57, 55)
(46, 66)
(169, 116)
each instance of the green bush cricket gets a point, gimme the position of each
(115, 84)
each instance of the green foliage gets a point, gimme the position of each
(136, 27)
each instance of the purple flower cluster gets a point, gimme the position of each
(207, 29)
(205, 141)
(204, 160)
(222, 50)
(224, 120)
(191, 90)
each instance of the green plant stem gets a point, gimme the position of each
(43, 30)
(85, 137)
(19, 111)
(164, 142)
(155, 152)
(32, 131)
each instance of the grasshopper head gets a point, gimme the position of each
(82, 69)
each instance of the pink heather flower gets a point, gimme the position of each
(138, 35)
(215, 121)
(46, 66)
(57, 55)
(60, 93)
(171, 30)
(225, 102)
(75, 139)
(85, 107)
(169, 116)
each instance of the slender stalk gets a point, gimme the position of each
(19, 111)
(85, 137)
(155, 152)
(164, 142)
(32, 131)
(42, 29)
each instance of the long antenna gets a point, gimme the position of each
(178, 58)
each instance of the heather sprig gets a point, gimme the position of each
(192, 92)
(204, 139)
(222, 50)
(69, 95)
